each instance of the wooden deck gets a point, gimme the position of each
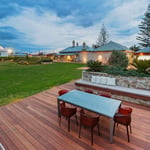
(32, 124)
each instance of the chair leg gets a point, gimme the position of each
(76, 119)
(128, 133)
(114, 128)
(98, 129)
(60, 121)
(79, 130)
(68, 124)
(91, 136)
(130, 128)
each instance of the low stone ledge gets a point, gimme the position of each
(137, 96)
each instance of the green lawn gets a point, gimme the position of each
(19, 81)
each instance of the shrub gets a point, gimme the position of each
(141, 65)
(28, 60)
(46, 61)
(118, 59)
(123, 72)
(95, 66)
(6, 58)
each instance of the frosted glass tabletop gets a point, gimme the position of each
(99, 104)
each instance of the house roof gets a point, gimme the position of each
(144, 50)
(107, 47)
(20, 54)
(76, 49)
(111, 46)
(62, 54)
(2, 49)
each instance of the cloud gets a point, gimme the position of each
(8, 9)
(123, 20)
(9, 33)
(50, 25)
(47, 29)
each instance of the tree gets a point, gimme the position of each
(144, 33)
(118, 59)
(94, 66)
(103, 37)
(134, 48)
(142, 65)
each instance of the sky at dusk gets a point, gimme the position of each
(51, 25)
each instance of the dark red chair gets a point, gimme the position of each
(123, 117)
(67, 113)
(88, 121)
(89, 91)
(63, 91)
(125, 110)
(105, 95)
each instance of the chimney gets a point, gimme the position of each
(73, 43)
(84, 46)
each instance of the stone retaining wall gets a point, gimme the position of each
(130, 82)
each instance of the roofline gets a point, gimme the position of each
(143, 53)
(70, 52)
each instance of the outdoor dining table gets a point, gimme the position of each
(94, 103)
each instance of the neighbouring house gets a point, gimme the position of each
(103, 52)
(143, 53)
(51, 56)
(3, 52)
(74, 53)
(84, 53)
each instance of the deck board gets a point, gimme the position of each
(32, 124)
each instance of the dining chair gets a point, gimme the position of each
(105, 95)
(123, 117)
(125, 110)
(89, 91)
(88, 121)
(63, 91)
(67, 112)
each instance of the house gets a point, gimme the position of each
(3, 52)
(84, 53)
(51, 56)
(144, 53)
(104, 51)
(74, 53)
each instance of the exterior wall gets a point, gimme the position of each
(85, 56)
(144, 56)
(103, 57)
(3, 54)
(100, 56)
(67, 58)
